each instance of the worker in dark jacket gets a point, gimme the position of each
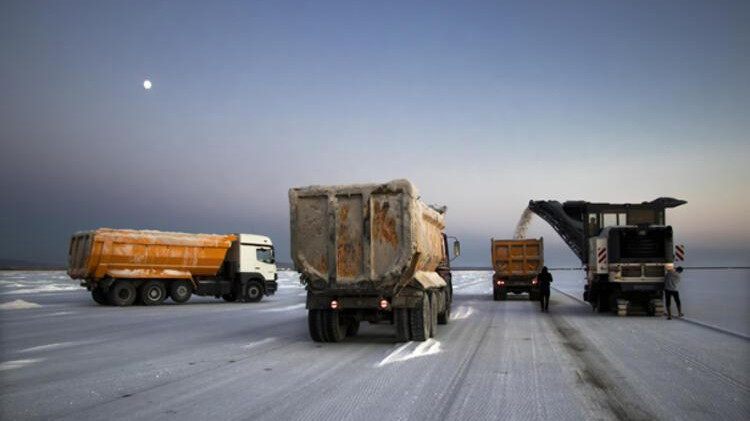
(670, 290)
(544, 278)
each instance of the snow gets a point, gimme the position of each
(300, 306)
(10, 365)
(195, 360)
(715, 297)
(18, 305)
(259, 343)
(462, 312)
(17, 282)
(48, 347)
(411, 350)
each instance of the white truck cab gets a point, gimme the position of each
(254, 263)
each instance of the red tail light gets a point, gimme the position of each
(500, 283)
(534, 282)
(383, 304)
(334, 305)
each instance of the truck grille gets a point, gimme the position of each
(654, 271)
(631, 272)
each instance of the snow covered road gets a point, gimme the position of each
(68, 358)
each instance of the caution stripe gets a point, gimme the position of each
(679, 252)
(602, 255)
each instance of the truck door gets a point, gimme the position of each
(258, 259)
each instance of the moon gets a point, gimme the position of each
(147, 84)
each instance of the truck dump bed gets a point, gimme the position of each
(134, 254)
(365, 237)
(517, 258)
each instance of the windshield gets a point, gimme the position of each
(265, 255)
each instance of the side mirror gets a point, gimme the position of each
(456, 248)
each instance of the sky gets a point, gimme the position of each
(482, 105)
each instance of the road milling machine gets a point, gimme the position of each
(626, 250)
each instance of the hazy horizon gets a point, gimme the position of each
(483, 106)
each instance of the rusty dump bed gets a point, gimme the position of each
(133, 254)
(365, 237)
(517, 258)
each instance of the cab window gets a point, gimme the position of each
(593, 224)
(264, 255)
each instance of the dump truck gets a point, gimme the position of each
(371, 252)
(121, 266)
(516, 264)
(625, 248)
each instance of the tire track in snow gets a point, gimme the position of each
(462, 370)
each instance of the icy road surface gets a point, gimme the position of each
(64, 357)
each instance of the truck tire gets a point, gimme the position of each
(335, 330)
(315, 325)
(401, 320)
(253, 291)
(446, 314)
(352, 328)
(153, 293)
(99, 296)
(495, 294)
(122, 293)
(534, 296)
(420, 320)
(180, 291)
(602, 303)
(434, 301)
(230, 298)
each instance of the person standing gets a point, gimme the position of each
(670, 290)
(545, 279)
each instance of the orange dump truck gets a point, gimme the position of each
(517, 264)
(119, 266)
(371, 252)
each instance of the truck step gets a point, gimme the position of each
(622, 307)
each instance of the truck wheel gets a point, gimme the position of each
(352, 328)
(502, 294)
(419, 320)
(315, 325)
(533, 296)
(99, 296)
(230, 298)
(122, 293)
(495, 294)
(335, 330)
(602, 303)
(433, 314)
(253, 292)
(153, 293)
(446, 314)
(401, 320)
(180, 291)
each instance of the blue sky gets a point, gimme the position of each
(483, 105)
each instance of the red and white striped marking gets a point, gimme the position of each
(679, 253)
(601, 255)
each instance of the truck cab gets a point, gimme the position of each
(252, 262)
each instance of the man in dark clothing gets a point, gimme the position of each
(544, 278)
(670, 290)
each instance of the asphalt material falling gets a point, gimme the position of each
(523, 224)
